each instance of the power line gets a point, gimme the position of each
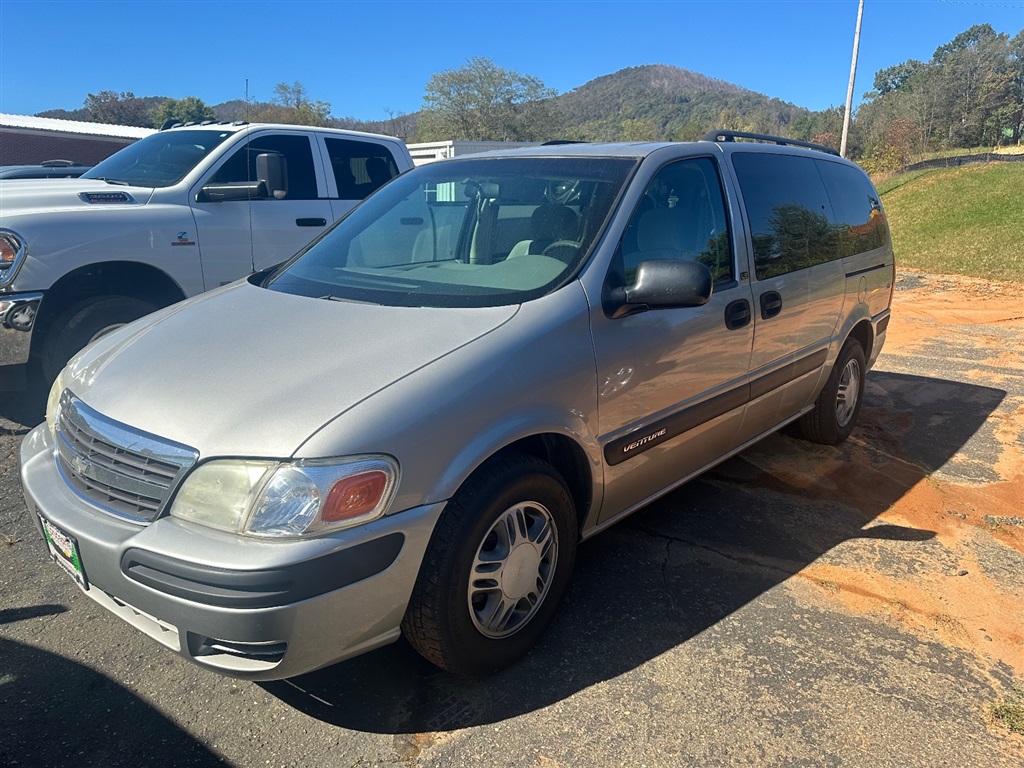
(983, 4)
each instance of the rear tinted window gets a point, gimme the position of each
(857, 212)
(789, 212)
(359, 167)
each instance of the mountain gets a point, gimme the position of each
(667, 103)
(654, 101)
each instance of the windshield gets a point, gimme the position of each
(159, 160)
(465, 233)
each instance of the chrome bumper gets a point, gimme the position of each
(17, 318)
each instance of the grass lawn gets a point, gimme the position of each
(962, 221)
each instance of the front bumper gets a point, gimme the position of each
(259, 610)
(17, 319)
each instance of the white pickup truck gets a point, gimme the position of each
(176, 213)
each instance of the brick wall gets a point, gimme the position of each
(32, 147)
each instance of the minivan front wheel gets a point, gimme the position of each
(496, 568)
(836, 410)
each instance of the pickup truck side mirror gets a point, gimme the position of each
(271, 181)
(232, 190)
(272, 170)
(662, 284)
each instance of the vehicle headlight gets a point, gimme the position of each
(12, 255)
(53, 401)
(287, 499)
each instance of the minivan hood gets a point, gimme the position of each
(245, 371)
(37, 195)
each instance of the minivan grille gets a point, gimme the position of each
(121, 470)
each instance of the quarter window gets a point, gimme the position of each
(858, 218)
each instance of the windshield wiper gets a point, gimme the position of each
(328, 297)
(111, 181)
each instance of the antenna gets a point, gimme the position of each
(247, 99)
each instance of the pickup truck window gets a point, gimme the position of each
(159, 160)
(241, 166)
(466, 233)
(360, 167)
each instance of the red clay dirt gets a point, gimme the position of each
(968, 592)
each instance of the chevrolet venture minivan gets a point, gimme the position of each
(409, 427)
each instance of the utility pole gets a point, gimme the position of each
(853, 75)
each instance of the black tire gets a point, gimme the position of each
(83, 323)
(837, 408)
(448, 620)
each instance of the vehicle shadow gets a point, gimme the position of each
(56, 712)
(23, 401)
(679, 566)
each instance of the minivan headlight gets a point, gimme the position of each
(53, 402)
(287, 499)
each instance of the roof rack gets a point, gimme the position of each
(717, 136)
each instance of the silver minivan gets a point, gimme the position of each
(409, 427)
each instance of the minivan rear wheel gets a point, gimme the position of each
(836, 410)
(496, 568)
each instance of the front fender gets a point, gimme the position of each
(58, 243)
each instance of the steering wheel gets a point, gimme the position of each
(561, 192)
(563, 250)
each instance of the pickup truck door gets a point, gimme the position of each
(238, 236)
(355, 168)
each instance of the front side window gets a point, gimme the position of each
(789, 212)
(159, 160)
(681, 216)
(298, 157)
(466, 233)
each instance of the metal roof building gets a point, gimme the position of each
(28, 140)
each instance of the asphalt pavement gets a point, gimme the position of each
(708, 629)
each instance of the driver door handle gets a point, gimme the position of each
(311, 222)
(737, 314)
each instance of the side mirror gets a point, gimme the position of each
(232, 190)
(272, 170)
(662, 284)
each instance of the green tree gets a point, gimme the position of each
(484, 102)
(1016, 117)
(974, 67)
(971, 92)
(292, 105)
(116, 109)
(638, 129)
(893, 78)
(190, 109)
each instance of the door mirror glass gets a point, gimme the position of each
(272, 171)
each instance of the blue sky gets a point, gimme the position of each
(366, 58)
